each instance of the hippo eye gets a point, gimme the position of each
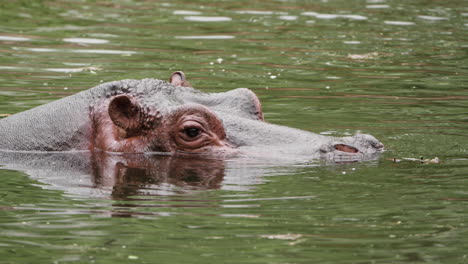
(192, 132)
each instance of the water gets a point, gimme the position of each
(393, 69)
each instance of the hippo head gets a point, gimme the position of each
(156, 116)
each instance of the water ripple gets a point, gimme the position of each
(254, 12)
(432, 18)
(206, 37)
(86, 40)
(207, 18)
(377, 6)
(288, 18)
(92, 51)
(186, 12)
(333, 16)
(399, 23)
(11, 38)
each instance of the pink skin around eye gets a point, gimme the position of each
(206, 137)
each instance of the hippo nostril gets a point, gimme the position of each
(346, 148)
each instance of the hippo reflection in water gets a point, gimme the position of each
(150, 115)
(101, 174)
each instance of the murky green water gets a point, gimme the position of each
(393, 69)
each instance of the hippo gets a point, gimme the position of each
(155, 116)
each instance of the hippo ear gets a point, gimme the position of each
(125, 113)
(178, 79)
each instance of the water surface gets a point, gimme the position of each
(393, 69)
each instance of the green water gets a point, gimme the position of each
(394, 69)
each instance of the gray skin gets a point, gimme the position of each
(150, 115)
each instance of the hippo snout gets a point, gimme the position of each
(357, 147)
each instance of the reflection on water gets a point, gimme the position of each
(117, 176)
(120, 176)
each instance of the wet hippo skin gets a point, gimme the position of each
(150, 115)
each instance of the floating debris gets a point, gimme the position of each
(421, 160)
